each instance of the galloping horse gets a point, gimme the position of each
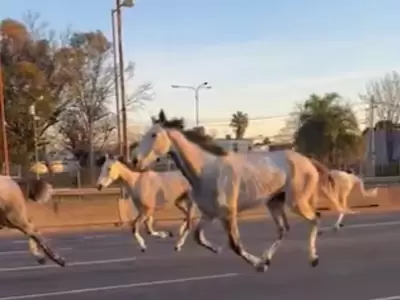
(147, 191)
(345, 182)
(224, 184)
(14, 214)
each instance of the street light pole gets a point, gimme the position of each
(116, 84)
(123, 204)
(196, 90)
(126, 3)
(3, 123)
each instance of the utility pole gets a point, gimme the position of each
(3, 124)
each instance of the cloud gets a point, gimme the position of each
(259, 77)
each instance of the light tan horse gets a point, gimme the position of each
(150, 190)
(225, 184)
(14, 214)
(345, 182)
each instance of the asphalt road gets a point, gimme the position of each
(362, 262)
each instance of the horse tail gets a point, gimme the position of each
(324, 172)
(39, 190)
(365, 192)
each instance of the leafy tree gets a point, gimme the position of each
(328, 130)
(239, 124)
(34, 67)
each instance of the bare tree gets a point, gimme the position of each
(386, 94)
(88, 122)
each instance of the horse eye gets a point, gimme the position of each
(153, 135)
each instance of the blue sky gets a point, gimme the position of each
(261, 56)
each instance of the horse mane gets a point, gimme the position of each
(37, 190)
(102, 159)
(203, 141)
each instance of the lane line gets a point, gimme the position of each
(367, 225)
(78, 263)
(387, 298)
(12, 252)
(122, 286)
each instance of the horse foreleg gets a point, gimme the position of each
(135, 227)
(187, 224)
(231, 227)
(311, 216)
(149, 227)
(201, 239)
(187, 210)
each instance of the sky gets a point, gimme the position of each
(260, 56)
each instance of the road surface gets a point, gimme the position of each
(362, 262)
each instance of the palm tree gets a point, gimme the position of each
(328, 130)
(239, 124)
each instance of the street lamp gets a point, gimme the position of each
(3, 122)
(124, 149)
(196, 89)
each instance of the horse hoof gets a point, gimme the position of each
(341, 225)
(320, 233)
(218, 250)
(61, 262)
(170, 234)
(314, 262)
(261, 268)
(178, 249)
(143, 250)
(268, 262)
(41, 261)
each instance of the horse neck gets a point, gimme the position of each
(189, 158)
(127, 176)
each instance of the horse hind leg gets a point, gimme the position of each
(36, 241)
(275, 207)
(150, 230)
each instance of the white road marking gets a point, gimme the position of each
(78, 263)
(122, 286)
(12, 252)
(100, 236)
(368, 225)
(388, 298)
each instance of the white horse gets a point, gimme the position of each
(345, 182)
(14, 214)
(225, 184)
(148, 191)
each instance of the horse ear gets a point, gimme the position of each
(161, 116)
